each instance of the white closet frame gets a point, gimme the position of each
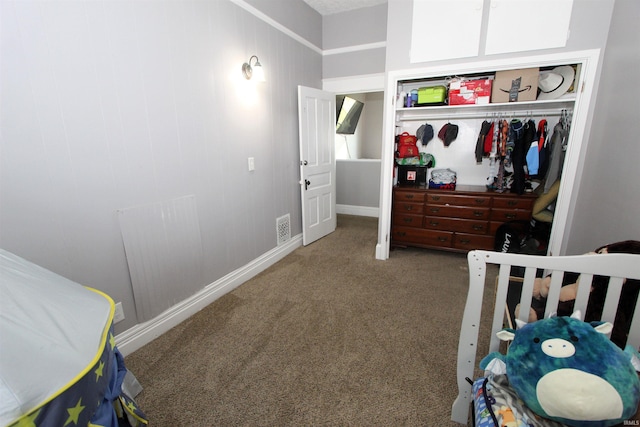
(577, 143)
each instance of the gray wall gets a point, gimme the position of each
(371, 126)
(295, 15)
(108, 105)
(366, 142)
(358, 183)
(354, 44)
(341, 32)
(609, 198)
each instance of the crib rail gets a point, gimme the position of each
(617, 267)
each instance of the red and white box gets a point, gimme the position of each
(470, 91)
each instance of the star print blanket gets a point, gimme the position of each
(58, 362)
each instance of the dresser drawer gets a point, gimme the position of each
(505, 215)
(513, 203)
(458, 199)
(456, 224)
(457, 211)
(422, 237)
(407, 220)
(473, 241)
(408, 207)
(408, 196)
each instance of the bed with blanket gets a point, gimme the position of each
(58, 362)
(576, 369)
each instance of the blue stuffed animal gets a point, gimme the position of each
(569, 371)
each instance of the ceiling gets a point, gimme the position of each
(329, 7)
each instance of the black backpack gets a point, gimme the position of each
(511, 236)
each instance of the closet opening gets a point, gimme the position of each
(507, 161)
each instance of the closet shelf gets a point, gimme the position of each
(545, 107)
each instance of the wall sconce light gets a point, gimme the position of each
(249, 71)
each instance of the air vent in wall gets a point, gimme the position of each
(283, 229)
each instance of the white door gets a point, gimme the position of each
(317, 124)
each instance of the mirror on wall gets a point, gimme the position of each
(359, 125)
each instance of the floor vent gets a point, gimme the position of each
(283, 229)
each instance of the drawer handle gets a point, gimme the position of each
(512, 202)
(510, 216)
(408, 220)
(434, 223)
(478, 214)
(478, 227)
(442, 239)
(480, 201)
(465, 241)
(435, 197)
(402, 233)
(409, 196)
(408, 207)
(435, 210)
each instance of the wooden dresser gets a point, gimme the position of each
(460, 220)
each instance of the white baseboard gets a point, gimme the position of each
(358, 210)
(134, 338)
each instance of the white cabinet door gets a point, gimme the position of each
(520, 25)
(445, 29)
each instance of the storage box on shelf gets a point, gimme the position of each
(460, 220)
(462, 92)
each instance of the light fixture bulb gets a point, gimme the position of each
(249, 71)
(258, 72)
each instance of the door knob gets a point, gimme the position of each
(304, 162)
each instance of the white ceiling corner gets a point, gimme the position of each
(329, 7)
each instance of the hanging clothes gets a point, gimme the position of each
(533, 159)
(523, 135)
(501, 150)
(558, 143)
(491, 144)
(533, 155)
(502, 138)
(480, 143)
(543, 148)
(488, 141)
(514, 134)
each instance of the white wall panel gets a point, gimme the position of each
(164, 253)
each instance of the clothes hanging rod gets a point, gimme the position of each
(477, 115)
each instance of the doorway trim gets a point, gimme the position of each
(355, 84)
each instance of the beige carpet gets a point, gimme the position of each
(328, 336)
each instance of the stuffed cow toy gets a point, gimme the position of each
(568, 371)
